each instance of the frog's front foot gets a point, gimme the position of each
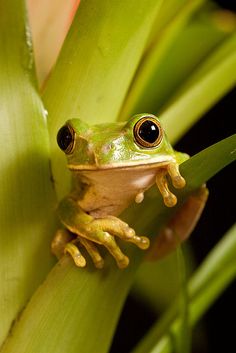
(178, 182)
(89, 230)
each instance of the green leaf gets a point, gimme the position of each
(184, 339)
(161, 292)
(158, 293)
(216, 272)
(27, 198)
(168, 11)
(96, 65)
(74, 303)
(212, 80)
(145, 94)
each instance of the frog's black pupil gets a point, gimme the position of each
(149, 131)
(64, 138)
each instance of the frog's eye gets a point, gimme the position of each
(66, 138)
(148, 132)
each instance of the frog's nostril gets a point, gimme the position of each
(90, 148)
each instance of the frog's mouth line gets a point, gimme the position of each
(128, 165)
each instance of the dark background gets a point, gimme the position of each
(218, 326)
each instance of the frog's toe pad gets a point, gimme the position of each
(80, 261)
(99, 263)
(78, 258)
(93, 252)
(123, 262)
(144, 243)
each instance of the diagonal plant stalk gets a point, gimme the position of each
(195, 43)
(91, 299)
(214, 78)
(142, 86)
(168, 12)
(216, 272)
(27, 198)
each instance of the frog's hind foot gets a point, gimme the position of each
(119, 228)
(90, 231)
(180, 226)
(73, 250)
(104, 230)
(65, 243)
(61, 238)
(78, 258)
(108, 241)
(93, 252)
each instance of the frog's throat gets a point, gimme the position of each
(126, 165)
(169, 166)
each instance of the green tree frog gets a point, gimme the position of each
(112, 165)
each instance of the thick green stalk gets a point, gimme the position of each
(205, 286)
(26, 195)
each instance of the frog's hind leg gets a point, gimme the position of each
(180, 226)
(98, 230)
(61, 238)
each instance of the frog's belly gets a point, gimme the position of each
(109, 192)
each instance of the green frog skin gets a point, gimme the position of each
(112, 165)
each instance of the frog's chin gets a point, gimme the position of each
(159, 162)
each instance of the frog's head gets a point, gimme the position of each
(139, 142)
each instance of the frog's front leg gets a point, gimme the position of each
(178, 182)
(98, 230)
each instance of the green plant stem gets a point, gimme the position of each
(184, 338)
(216, 272)
(27, 198)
